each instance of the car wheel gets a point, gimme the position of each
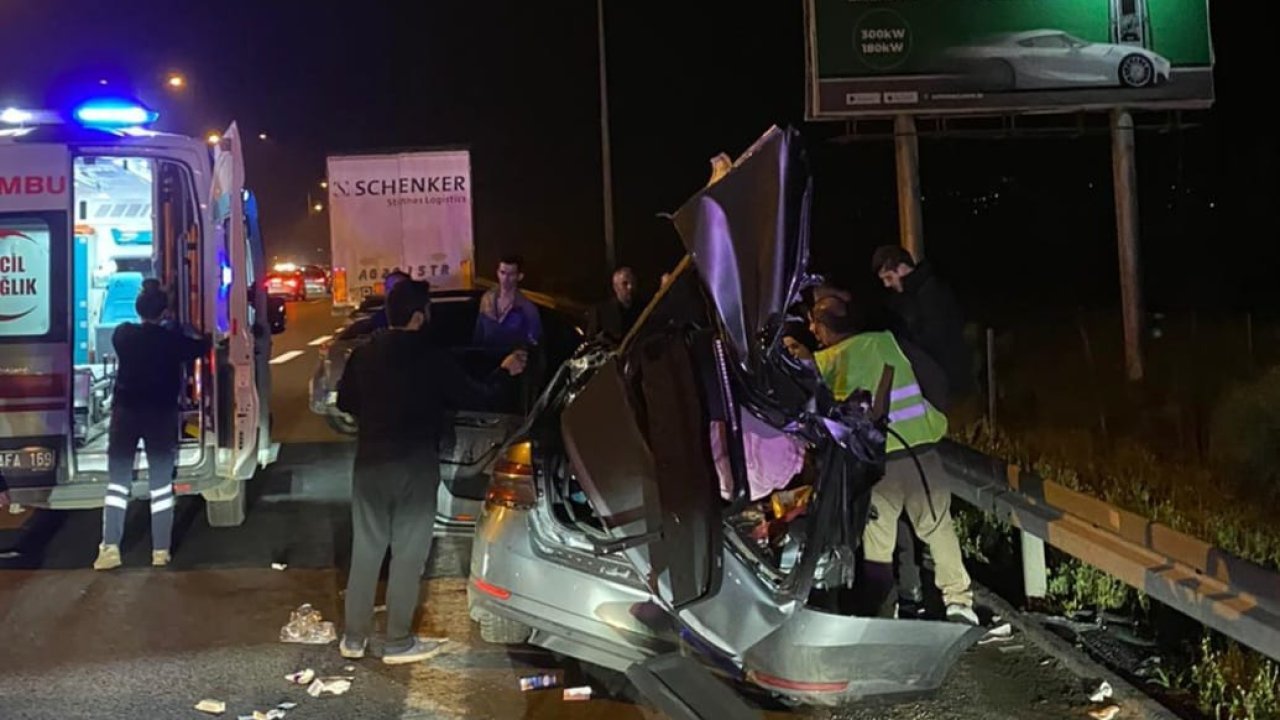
(503, 631)
(1137, 71)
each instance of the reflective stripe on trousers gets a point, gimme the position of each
(158, 431)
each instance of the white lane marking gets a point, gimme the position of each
(286, 357)
(320, 340)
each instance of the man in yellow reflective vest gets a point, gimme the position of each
(853, 359)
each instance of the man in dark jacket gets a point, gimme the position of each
(400, 388)
(613, 318)
(152, 355)
(930, 314)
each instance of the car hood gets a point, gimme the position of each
(747, 233)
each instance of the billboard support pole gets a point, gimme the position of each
(906, 153)
(1125, 181)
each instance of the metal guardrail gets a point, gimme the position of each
(1236, 597)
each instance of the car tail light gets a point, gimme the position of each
(776, 683)
(490, 590)
(512, 482)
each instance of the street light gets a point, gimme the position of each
(214, 138)
(262, 136)
(176, 81)
(318, 207)
(324, 184)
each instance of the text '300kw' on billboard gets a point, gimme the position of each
(941, 57)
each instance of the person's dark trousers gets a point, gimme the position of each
(158, 430)
(393, 505)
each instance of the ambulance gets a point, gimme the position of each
(92, 204)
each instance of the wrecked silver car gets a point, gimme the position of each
(696, 491)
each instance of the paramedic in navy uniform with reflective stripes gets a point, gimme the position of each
(145, 407)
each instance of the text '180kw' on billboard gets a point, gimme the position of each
(940, 57)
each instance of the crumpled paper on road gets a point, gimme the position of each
(329, 686)
(1102, 694)
(212, 707)
(1107, 713)
(308, 627)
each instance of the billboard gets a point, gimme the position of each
(400, 211)
(941, 57)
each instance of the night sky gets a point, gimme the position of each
(1021, 220)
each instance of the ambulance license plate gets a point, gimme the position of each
(31, 459)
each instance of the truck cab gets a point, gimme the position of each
(92, 205)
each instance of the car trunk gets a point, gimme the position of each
(637, 432)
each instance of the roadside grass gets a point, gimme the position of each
(1195, 446)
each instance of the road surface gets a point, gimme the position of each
(143, 643)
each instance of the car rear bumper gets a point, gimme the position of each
(820, 658)
(575, 610)
(809, 656)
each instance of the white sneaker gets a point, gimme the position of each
(962, 614)
(421, 650)
(351, 650)
(160, 558)
(108, 558)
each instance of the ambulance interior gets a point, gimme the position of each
(135, 219)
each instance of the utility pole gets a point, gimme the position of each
(1124, 175)
(906, 153)
(606, 161)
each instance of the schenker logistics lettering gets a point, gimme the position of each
(403, 186)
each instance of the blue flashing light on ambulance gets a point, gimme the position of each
(92, 204)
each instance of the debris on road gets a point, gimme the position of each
(277, 713)
(307, 626)
(212, 707)
(302, 677)
(577, 693)
(329, 686)
(538, 682)
(1102, 694)
(349, 669)
(1148, 667)
(16, 509)
(279, 566)
(1012, 648)
(1107, 713)
(1002, 633)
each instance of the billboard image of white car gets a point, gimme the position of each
(1049, 59)
(940, 57)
